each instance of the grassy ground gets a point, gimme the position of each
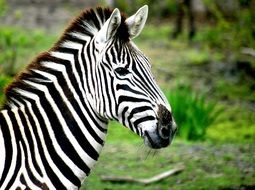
(207, 165)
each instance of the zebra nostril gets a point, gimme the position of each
(164, 132)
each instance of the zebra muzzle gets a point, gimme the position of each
(163, 132)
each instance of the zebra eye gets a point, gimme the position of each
(122, 71)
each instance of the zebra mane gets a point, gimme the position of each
(87, 23)
(90, 21)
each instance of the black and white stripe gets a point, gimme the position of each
(54, 122)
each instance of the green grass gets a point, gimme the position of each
(118, 131)
(207, 166)
(192, 111)
(235, 124)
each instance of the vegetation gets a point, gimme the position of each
(16, 44)
(207, 166)
(192, 113)
(3, 7)
(209, 83)
(17, 48)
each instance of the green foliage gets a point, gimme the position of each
(229, 34)
(171, 7)
(3, 7)
(231, 91)
(8, 48)
(193, 114)
(123, 5)
(11, 40)
(196, 57)
(157, 8)
(17, 45)
(238, 124)
(4, 80)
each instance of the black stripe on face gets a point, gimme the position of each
(134, 125)
(145, 82)
(123, 117)
(109, 93)
(143, 77)
(139, 110)
(123, 98)
(144, 119)
(127, 88)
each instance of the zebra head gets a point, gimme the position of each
(126, 89)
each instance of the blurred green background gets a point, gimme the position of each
(206, 69)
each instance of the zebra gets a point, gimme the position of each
(53, 123)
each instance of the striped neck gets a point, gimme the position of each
(38, 150)
(50, 105)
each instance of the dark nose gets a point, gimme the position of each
(165, 122)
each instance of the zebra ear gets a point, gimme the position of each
(110, 27)
(137, 21)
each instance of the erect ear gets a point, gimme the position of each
(137, 21)
(110, 27)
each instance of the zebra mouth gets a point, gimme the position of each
(155, 141)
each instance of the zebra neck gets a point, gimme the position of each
(61, 138)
